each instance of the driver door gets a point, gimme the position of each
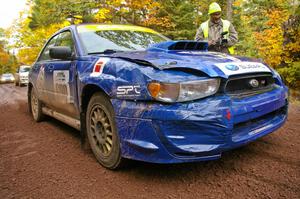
(62, 89)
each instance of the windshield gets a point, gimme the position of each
(7, 75)
(97, 39)
(24, 69)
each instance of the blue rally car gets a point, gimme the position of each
(135, 94)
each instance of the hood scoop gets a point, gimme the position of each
(184, 45)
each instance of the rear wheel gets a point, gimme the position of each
(36, 107)
(102, 133)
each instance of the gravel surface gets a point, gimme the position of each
(45, 160)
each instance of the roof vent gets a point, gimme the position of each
(184, 45)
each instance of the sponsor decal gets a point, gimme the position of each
(233, 68)
(129, 91)
(40, 83)
(61, 86)
(99, 66)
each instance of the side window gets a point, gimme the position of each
(65, 39)
(45, 54)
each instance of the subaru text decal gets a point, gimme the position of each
(233, 68)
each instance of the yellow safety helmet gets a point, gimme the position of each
(214, 7)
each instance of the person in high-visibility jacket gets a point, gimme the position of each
(212, 29)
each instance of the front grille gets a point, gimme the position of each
(249, 85)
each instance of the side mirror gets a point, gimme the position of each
(60, 52)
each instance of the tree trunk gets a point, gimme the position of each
(229, 10)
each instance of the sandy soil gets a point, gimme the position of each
(45, 160)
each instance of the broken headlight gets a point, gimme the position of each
(183, 91)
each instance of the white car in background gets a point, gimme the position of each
(21, 76)
(7, 78)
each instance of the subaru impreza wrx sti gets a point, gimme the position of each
(135, 94)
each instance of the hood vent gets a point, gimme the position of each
(184, 45)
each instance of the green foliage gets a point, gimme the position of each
(8, 61)
(291, 75)
(181, 15)
(268, 29)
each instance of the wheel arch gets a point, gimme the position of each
(87, 92)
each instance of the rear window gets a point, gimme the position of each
(24, 69)
(7, 75)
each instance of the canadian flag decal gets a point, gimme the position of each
(99, 66)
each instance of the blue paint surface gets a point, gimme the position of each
(159, 132)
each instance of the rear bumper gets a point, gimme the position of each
(23, 81)
(6, 81)
(202, 130)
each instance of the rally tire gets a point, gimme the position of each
(102, 132)
(36, 107)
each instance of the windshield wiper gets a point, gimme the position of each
(106, 51)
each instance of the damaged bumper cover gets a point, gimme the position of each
(199, 130)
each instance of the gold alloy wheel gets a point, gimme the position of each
(101, 130)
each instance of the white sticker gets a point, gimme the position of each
(233, 68)
(129, 91)
(61, 86)
(99, 66)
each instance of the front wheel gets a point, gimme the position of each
(102, 132)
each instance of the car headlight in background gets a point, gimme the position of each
(183, 91)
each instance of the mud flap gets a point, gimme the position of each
(83, 138)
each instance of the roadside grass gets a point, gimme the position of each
(294, 97)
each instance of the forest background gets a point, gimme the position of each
(268, 29)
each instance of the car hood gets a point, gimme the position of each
(212, 64)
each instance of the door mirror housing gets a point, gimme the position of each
(60, 52)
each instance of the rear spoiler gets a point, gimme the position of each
(184, 45)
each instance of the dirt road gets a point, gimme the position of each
(45, 160)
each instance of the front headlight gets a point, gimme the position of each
(183, 91)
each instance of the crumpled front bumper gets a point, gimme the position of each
(200, 130)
